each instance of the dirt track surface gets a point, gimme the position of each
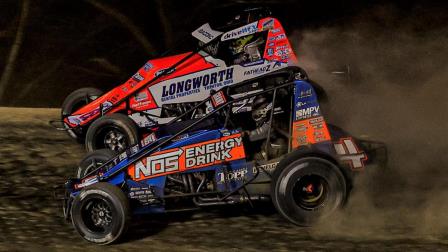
(35, 157)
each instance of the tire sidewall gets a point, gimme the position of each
(286, 176)
(100, 156)
(71, 103)
(76, 97)
(119, 221)
(119, 121)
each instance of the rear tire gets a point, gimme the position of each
(76, 100)
(94, 160)
(101, 213)
(307, 189)
(115, 132)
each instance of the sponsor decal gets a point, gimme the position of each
(206, 34)
(218, 99)
(274, 31)
(280, 37)
(282, 52)
(132, 83)
(148, 139)
(270, 51)
(317, 126)
(115, 98)
(302, 140)
(282, 47)
(225, 132)
(316, 121)
(144, 194)
(214, 80)
(138, 77)
(348, 152)
(87, 181)
(143, 100)
(78, 119)
(258, 62)
(318, 135)
(258, 70)
(310, 131)
(271, 44)
(300, 128)
(162, 71)
(268, 24)
(148, 66)
(207, 154)
(141, 104)
(196, 86)
(188, 157)
(124, 155)
(270, 167)
(181, 137)
(134, 149)
(231, 176)
(278, 64)
(162, 163)
(75, 120)
(208, 107)
(106, 106)
(307, 112)
(141, 96)
(240, 32)
(301, 104)
(306, 93)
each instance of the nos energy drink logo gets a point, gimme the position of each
(185, 87)
(189, 157)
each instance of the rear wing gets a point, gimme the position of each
(376, 151)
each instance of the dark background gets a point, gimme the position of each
(67, 45)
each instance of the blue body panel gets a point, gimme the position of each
(305, 100)
(229, 176)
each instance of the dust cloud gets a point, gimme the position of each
(397, 93)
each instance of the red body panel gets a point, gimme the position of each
(277, 49)
(143, 100)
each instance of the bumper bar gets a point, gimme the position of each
(376, 152)
(63, 193)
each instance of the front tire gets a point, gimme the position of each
(94, 160)
(76, 100)
(101, 213)
(115, 132)
(307, 189)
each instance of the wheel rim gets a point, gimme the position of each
(115, 140)
(310, 192)
(91, 167)
(97, 215)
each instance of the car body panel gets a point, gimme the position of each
(190, 81)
